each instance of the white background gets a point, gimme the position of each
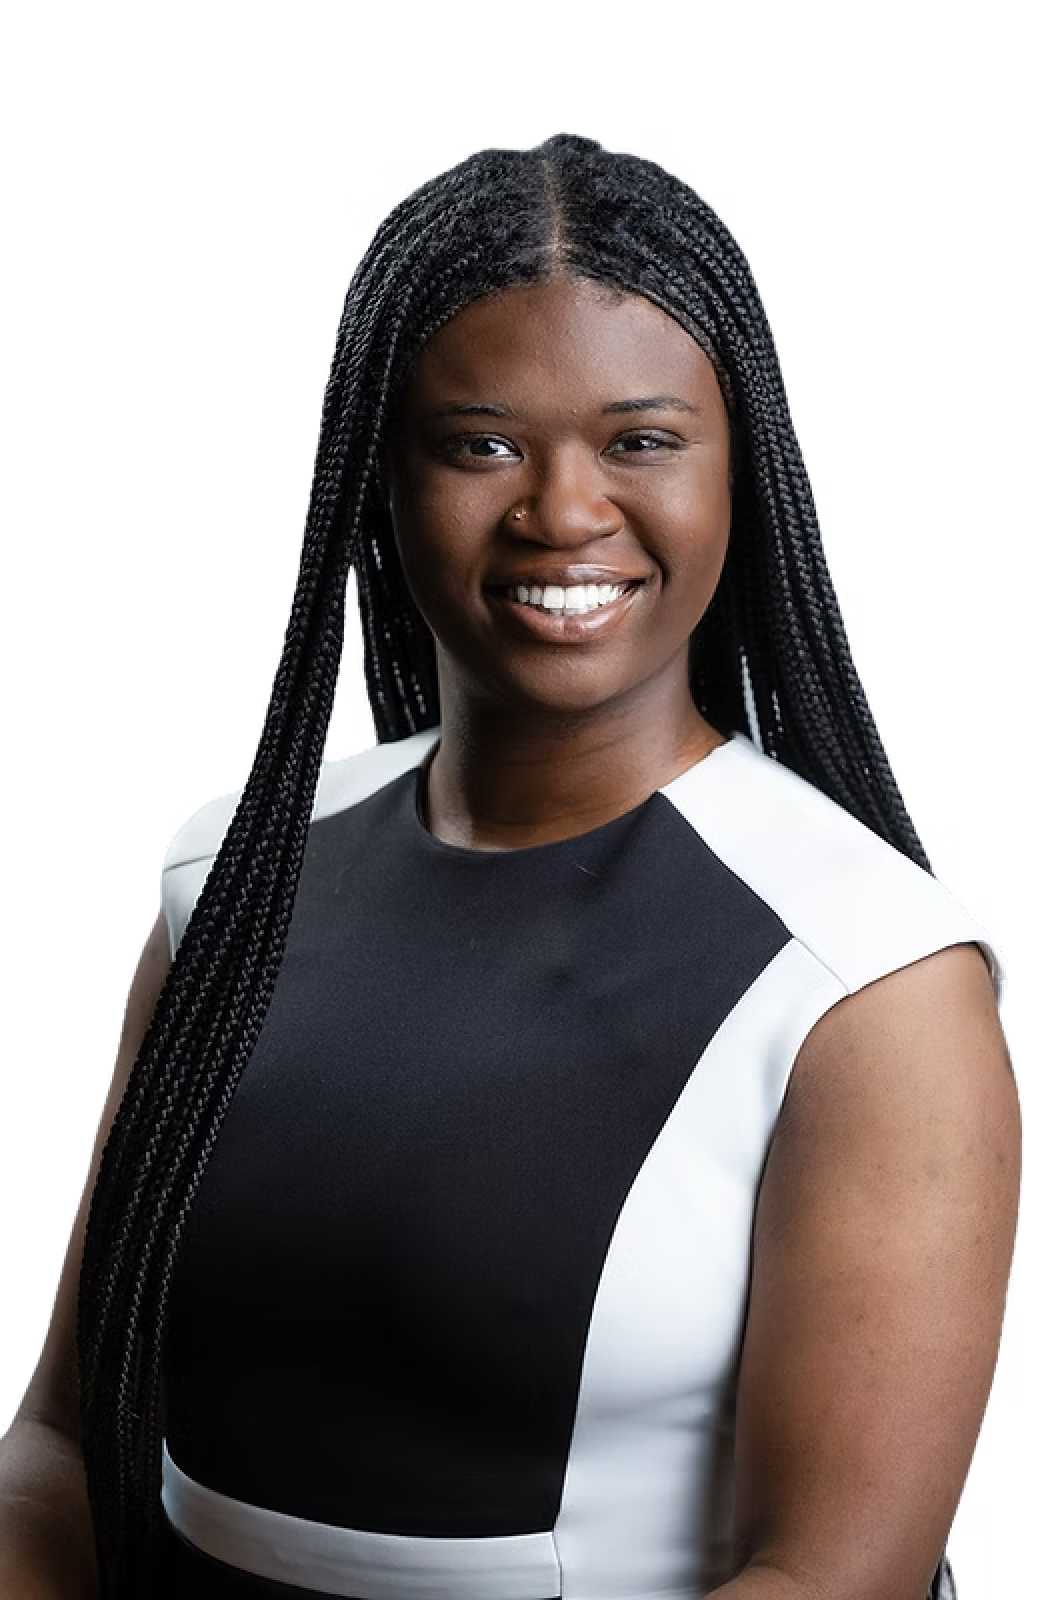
(187, 189)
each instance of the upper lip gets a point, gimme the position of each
(564, 577)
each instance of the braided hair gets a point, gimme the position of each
(769, 657)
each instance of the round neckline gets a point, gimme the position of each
(442, 847)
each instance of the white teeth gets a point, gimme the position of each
(574, 600)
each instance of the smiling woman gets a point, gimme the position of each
(523, 1177)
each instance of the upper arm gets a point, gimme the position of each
(882, 1244)
(52, 1395)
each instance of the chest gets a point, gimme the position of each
(466, 1067)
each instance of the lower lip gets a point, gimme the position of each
(562, 627)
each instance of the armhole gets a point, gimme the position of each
(991, 954)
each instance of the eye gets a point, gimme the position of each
(645, 441)
(478, 447)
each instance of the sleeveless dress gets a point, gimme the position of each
(458, 1310)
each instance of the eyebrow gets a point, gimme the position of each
(652, 402)
(475, 409)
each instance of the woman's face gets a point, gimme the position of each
(551, 437)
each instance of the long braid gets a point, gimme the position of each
(770, 657)
(209, 1017)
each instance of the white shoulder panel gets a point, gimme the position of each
(858, 904)
(341, 784)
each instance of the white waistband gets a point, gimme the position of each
(353, 1563)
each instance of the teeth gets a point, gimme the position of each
(575, 600)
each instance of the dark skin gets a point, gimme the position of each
(887, 1209)
(548, 733)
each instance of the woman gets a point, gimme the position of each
(574, 1151)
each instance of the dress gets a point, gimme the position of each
(458, 1308)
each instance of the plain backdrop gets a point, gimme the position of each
(186, 191)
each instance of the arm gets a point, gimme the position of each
(46, 1546)
(882, 1245)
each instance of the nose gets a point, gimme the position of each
(568, 504)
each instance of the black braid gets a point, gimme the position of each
(770, 657)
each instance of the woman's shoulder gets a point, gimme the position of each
(858, 904)
(341, 784)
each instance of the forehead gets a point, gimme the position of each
(565, 336)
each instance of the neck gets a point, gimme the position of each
(500, 781)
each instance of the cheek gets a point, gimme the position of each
(444, 514)
(440, 545)
(695, 523)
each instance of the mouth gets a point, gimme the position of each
(570, 600)
(563, 613)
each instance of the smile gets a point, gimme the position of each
(572, 600)
(564, 614)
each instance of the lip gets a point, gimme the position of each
(559, 627)
(564, 577)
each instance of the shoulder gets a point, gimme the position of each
(858, 905)
(885, 1221)
(342, 784)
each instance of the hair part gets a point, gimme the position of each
(770, 657)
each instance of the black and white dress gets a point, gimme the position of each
(458, 1310)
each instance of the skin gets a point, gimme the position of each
(886, 1214)
(547, 737)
